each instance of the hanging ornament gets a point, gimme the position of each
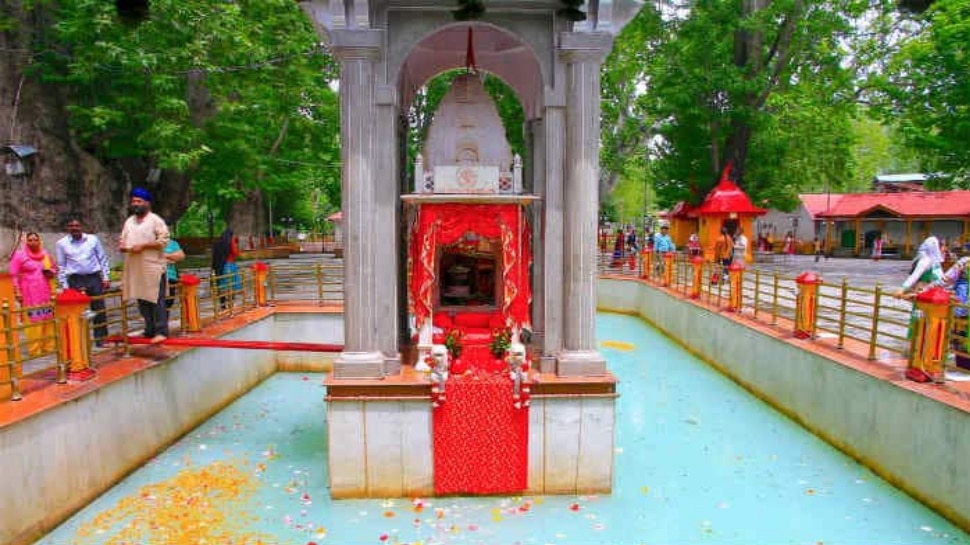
(572, 12)
(469, 9)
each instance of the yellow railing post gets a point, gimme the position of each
(71, 304)
(697, 266)
(191, 321)
(735, 295)
(843, 301)
(319, 276)
(874, 333)
(806, 304)
(260, 272)
(647, 261)
(757, 291)
(774, 300)
(929, 349)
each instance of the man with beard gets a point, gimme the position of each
(143, 239)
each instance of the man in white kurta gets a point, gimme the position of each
(143, 239)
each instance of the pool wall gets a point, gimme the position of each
(384, 445)
(918, 443)
(59, 460)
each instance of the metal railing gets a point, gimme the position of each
(867, 321)
(32, 349)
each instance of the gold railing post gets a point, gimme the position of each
(668, 275)
(124, 326)
(757, 291)
(874, 334)
(272, 284)
(774, 300)
(10, 365)
(214, 295)
(843, 301)
(318, 270)
(735, 299)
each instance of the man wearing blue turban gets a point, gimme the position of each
(143, 239)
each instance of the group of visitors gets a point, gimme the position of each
(149, 273)
(730, 248)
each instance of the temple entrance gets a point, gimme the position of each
(470, 293)
(446, 246)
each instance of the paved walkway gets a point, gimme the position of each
(859, 272)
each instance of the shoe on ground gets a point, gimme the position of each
(158, 339)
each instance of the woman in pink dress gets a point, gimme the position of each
(32, 269)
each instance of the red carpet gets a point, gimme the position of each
(481, 442)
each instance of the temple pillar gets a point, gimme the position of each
(385, 225)
(583, 54)
(358, 52)
(553, 141)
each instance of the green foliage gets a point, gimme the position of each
(235, 94)
(926, 91)
(767, 90)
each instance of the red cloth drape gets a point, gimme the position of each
(442, 224)
(481, 442)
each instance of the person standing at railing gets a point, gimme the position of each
(143, 239)
(173, 254)
(723, 251)
(82, 264)
(661, 245)
(927, 267)
(225, 250)
(740, 247)
(694, 245)
(32, 269)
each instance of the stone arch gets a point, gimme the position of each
(498, 51)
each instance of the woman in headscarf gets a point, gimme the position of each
(32, 269)
(224, 254)
(927, 266)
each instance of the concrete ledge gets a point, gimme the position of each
(61, 459)
(899, 429)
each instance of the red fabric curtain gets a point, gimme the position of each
(481, 441)
(443, 224)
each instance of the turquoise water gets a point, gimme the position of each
(698, 461)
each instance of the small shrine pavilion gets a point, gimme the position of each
(727, 206)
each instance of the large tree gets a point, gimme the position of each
(925, 90)
(227, 101)
(762, 85)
